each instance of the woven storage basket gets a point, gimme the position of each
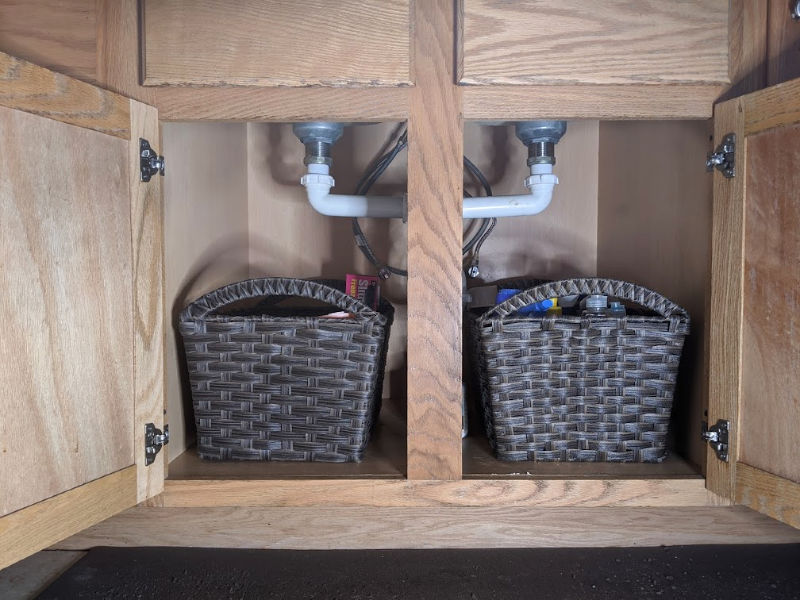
(272, 383)
(579, 388)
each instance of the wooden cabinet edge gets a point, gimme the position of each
(47, 522)
(464, 493)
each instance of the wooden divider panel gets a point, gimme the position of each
(434, 251)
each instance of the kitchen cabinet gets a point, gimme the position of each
(422, 466)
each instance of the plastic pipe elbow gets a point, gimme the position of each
(318, 187)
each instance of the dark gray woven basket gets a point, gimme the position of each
(272, 384)
(576, 388)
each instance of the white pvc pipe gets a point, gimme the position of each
(540, 184)
(318, 184)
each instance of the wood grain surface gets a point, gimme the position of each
(435, 192)
(769, 412)
(653, 229)
(774, 496)
(282, 104)
(118, 49)
(783, 44)
(516, 103)
(36, 90)
(616, 41)
(55, 34)
(725, 318)
(747, 46)
(342, 528)
(407, 493)
(775, 106)
(36, 527)
(67, 376)
(147, 243)
(276, 43)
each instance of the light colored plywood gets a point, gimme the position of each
(515, 103)
(276, 43)
(725, 318)
(617, 41)
(205, 238)
(559, 242)
(435, 192)
(38, 526)
(147, 244)
(56, 34)
(783, 44)
(405, 493)
(67, 377)
(36, 90)
(769, 410)
(774, 496)
(775, 106)
(342, 528)
(653, 229)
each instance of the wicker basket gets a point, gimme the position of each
(271, 383)
(577, 388)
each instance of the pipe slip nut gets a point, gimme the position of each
(316, 178)
(542, 179)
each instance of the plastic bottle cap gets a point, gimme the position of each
(596, 301)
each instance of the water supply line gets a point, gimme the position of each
(539, 136)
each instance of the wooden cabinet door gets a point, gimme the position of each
(81, 351)
(755, 304)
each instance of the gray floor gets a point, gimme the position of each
(27, 578)
(707, 572)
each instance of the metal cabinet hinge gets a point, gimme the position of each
(150, 163)
(154, 440)
(717, 437)
(724, 157)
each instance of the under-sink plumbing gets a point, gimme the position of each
(540, 137)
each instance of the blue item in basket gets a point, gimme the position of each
(535, 308)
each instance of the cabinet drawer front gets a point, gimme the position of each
(276, 42)
(613, 42)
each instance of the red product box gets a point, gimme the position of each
(365, 288)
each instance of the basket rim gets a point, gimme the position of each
(202, 308)
(586, 285)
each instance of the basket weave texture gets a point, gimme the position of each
(578, 388)
(269, 384)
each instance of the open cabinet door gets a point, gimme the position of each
(755, 304)
(81, 307)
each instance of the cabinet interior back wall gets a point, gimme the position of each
(235, 209)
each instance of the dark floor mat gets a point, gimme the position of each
(708, 572)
